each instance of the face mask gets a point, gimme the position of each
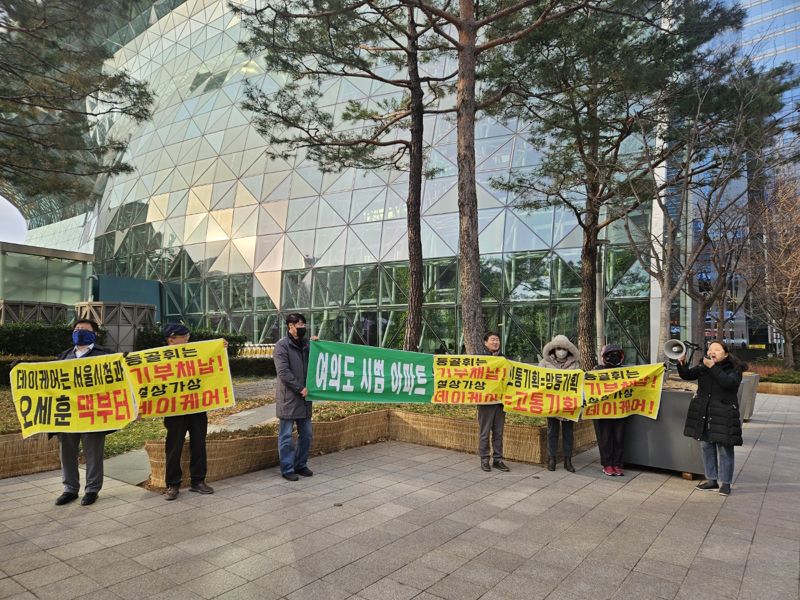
(83, 337)
(561, 353)
(300, 332)
(613, 358)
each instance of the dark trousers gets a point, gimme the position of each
(93, 444)
(177, 427)
(610, 441)
(491, 420)
(554, 426)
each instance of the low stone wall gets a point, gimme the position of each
(785, 389)
(24, 456)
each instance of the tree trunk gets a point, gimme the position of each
(472, 324)
(586, 311)
(665, 309)
(788, 354)
(414, 200)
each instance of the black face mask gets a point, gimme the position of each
(613, 358)
(300, 332)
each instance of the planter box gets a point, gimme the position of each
(660, 443)
(25, 456)
(521, 443)
(785, 389)
(228, 458)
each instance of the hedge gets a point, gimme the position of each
(38, 339)
(784, 377)
(6, 363)
(152, 337)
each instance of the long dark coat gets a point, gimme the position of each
(713, 414)
(291, 364)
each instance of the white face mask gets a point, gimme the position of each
(561, 353)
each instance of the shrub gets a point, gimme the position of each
(38, 339)
(152, 337)
(784, 377)
(252, 367)
(7, 363)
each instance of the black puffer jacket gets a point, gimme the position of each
(716, 401)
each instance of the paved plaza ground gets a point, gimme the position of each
(399, 521)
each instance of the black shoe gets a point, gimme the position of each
(89, 498)
(705, 486)
(568, 464)
(500, 466)
(291, 476)
(305, 472)
(551, 463)
(725, 489)
(172, 492)
(66, 498)
(201, 488)
(485, 465)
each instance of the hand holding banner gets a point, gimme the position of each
(617, 393)
(181, 379)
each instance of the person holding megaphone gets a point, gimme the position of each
(713, 415)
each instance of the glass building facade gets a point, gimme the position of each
(237, 238)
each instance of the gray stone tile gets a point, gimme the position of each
(113, 573)
(44, 575)
(186, 570)
(253, 567)
(29, 562)
(456, 588)
(389, 589)
(67, 589)
(142, 586)
(285, 580)
(9, 587)
(215, 583)
(319, 590)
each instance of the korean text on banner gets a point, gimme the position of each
(181, 379)
(469, 379)
(80, 395)
(543, 392)
(617, 393)
(347, 372)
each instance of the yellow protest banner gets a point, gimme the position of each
(181, 379)
(617, 393)
(543, 392)
(80, 395)
(469, 379)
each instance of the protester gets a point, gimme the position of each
(84, 336)
(559, 353)
(713, 415)
(195, 424)
(491, 418)
(292, 409)
(611, 432)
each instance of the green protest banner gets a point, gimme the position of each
(347, 372)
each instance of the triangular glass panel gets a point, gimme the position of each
(264, 245)
(396, 204)
(292, 257)
(327, 216)
(243, 196)
(241, 259)
(364, 243)
(245, 222)
(491, 233)
(324, 238)
(373, 212)
(445, 228)
(225, 219)
(398, 252)
(271, 283)
(432, 245)
(221, 264)
(334, 254)
(302, 213)
(339, 182)
(574, 239)
(448, 203)
(266, 224)
(539, 221)
(215, 232)
(276, 186)
(519, 237)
